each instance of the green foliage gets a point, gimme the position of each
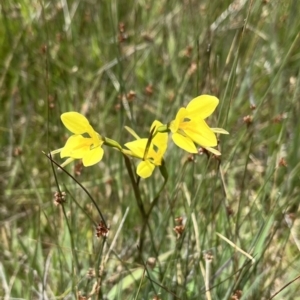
(126, 63)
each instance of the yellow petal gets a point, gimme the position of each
(94, 135)
(76, 146)
(75, 122)
(155, 155)
(174, 125)
(92, 157)
(184, 142)
(200, 133)
(155, 125)
(202, 106)
(137, 147)
(145, 169)
(219, 130)
(160, 140)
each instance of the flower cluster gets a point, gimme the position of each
(188, 129)
(89, 149)
(151, 151)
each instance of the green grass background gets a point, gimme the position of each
(71, 55)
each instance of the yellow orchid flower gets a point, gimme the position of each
(152, 156)
(79, 146)
(189, 127)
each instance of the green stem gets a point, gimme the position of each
(134, 184)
